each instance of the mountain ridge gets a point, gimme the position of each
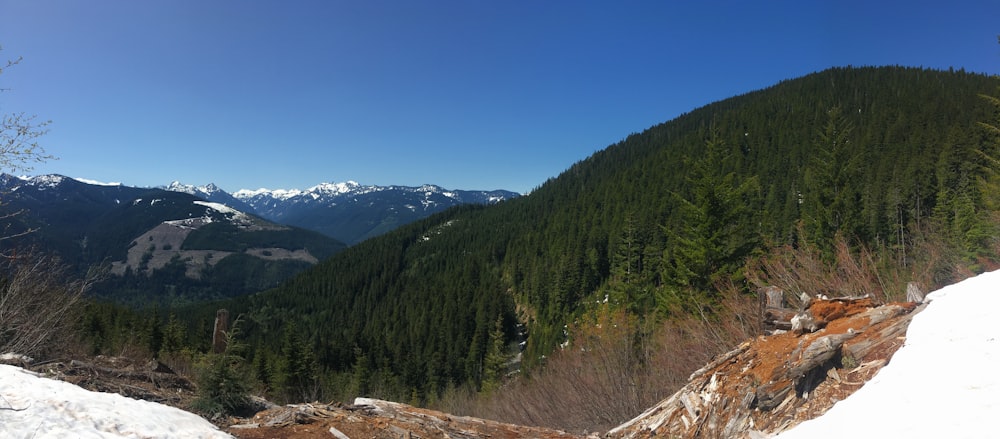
(347, 211)
(155, 245)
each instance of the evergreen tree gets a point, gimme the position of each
(297, 370)
(360, 374)
(715, 230)
(496, 359)
(831, 199)
(224, 380)
(174, 335)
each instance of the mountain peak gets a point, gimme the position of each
(208, 189)
(335, 188)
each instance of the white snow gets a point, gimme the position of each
(280, 194)
(10, 356)
(943, 382)
(177, 186)
(95, 182)
(35, 407)
(335, 188)
(44, 181)
(219, 207)
(315, 192)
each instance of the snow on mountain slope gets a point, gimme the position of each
(351, 212)
(331, 193)
(208, 189)
(35, 407)
(943, 382)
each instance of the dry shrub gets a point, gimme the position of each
(617, 366)
(929, 261)
(38, 304)
(803, 270)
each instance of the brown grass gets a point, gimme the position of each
(615, 367)
(857, 270)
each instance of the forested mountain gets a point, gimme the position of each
(156, 246)
(877, 155)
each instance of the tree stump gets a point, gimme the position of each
(219, 334)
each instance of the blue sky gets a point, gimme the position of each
(464, 94)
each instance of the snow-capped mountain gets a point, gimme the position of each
(210, 192)
(348, 211)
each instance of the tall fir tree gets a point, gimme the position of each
(831, 200)
(710, 239)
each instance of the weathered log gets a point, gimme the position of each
(913, 293)
(219, 333)
(778, 318)
(770, 395)
(719, 360)
(819, 351)
(159, 379)
(774, 297)
(890, 333)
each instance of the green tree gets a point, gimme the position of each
(174, 335)
(360, 374)
(297, 370)
(224, 380)
(831, 199)
(496, 358)
(714, 231)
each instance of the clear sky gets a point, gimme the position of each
(466, 94)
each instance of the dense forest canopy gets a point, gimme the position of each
(876, 156)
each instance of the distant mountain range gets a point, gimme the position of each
(157, 245)
(348, 212)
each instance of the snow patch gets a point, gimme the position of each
(44, 181)
(95, 182)
(37, 407)
(10, 356)
(219, 207)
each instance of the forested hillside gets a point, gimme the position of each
(878, 156)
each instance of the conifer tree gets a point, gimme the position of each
(711, 239)
(297, 369)
(831, 198)
(496, 358)
(223, 380)
(174, 335)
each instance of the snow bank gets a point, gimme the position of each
(36, 407)
(943, 382)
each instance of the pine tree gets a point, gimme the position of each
(496, 358)
(710, 238)
(223, 380)
(831, 199)
(297, 370)
(174, 335)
